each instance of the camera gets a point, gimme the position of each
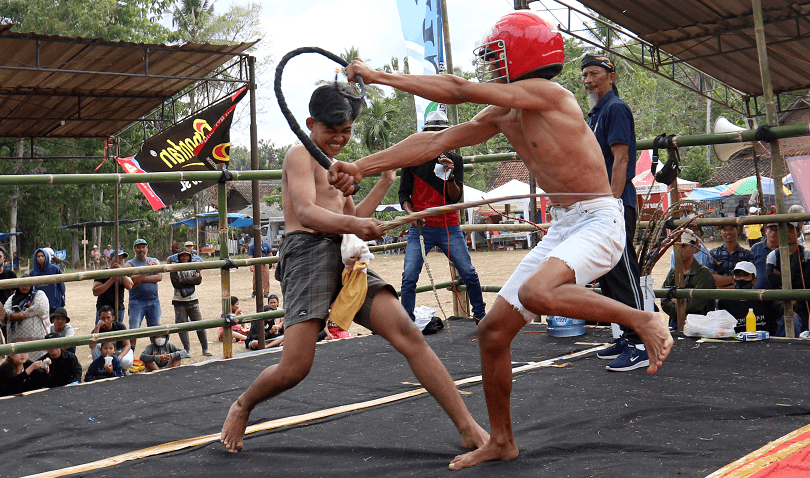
(16, 308)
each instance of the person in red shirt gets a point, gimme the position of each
(437, 182)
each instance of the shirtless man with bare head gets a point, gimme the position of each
(545, 125)
(309, 269)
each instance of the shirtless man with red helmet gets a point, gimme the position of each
(545, 125)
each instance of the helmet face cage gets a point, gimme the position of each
(490, 62)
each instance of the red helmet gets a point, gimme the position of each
(518, 44)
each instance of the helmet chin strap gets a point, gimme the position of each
(311, 147)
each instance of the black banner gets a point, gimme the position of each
(200, 143)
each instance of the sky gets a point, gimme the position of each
(372, 26)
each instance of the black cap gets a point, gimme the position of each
(53, 335)
(603, 61)
(60, 312)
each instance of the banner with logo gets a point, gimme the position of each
(424, 42)
(199, 143)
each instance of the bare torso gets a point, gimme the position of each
(557, 147)
(326, 196)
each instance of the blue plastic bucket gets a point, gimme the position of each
(564, 327)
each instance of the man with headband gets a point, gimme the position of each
(544, 124)
(309, 269)
(612, 123)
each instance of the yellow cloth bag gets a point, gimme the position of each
(351, 296)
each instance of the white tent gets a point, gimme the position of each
(513, 188)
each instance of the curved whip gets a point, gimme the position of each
(311, 147)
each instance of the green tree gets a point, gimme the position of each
(376, 128)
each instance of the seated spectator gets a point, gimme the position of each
(61, 327)
(696, 276)
(799, 276)
(761, 250)
(238, 331)
(95, 257)
(26, 315)
(43, 266)
(64, 368)
(726, 256)
(798, 209)
(20, 375)
(334, 332)
(702, 255)
(162, 354)
(105, 365)
(745, 275)
(273, 329)
(123, 348)
(753, 231)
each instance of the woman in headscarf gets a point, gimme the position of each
(27, 316)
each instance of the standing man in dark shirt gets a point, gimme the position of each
(104, 290)
(612, 122)
(436, 183)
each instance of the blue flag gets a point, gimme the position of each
(424, 42)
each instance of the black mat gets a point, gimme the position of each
(709, 405)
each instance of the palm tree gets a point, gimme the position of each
(376, 127)
(191, 16)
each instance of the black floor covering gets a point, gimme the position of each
(711, 404)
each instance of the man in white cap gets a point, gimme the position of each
(695, 275)
(437, 182)
(745, 276)
(187, 246)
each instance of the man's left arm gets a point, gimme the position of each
(621, 161)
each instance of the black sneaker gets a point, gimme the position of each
(631, 359)
(614, 350)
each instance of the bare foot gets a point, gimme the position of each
(233, 430)
(475, 438)
(488, 452)
(657, 340)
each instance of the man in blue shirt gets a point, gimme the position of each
(143, 297)
(266, 252)
(726, 256)
(612, 122)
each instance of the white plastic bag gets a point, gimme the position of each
(717, 324)
(422, 315)
(353, 249)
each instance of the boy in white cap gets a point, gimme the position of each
(745, 276)
(696, 276)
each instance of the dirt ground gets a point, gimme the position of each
(494, 268)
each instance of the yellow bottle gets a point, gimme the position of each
(750, 321)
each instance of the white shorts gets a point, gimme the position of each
(588, 236)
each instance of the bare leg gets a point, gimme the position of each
(390, 321)
(174, 363)
(495, 334)
(150, 366)
(552, 290)
(296, 361)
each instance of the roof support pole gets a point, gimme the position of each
(257, 207)
(778, 168)
(448, 58)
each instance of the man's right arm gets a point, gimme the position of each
(299, 175)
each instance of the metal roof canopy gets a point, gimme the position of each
(715, 37)
(60, 87)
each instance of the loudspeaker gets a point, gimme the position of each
(725, 151)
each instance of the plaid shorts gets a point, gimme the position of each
(309, 269)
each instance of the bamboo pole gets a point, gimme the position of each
(739, 221)
(448, 55)
(225, 272)
(781, 132)
(778, 167)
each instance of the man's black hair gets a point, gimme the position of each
(273, 296)
(334, 104)
(106, 308)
